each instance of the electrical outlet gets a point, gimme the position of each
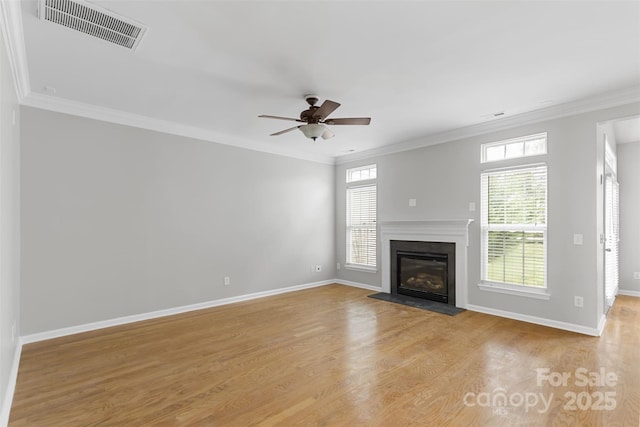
(318, 268)
(578, 239)
(227, 280)
(636, 275)
(578, 302)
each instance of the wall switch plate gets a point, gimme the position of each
(636, 275)
(227, 280)
(472, 206)
(578, 239)
(412, 202)
(578, 302)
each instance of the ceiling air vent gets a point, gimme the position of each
(93, 20)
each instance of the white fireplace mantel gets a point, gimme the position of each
(450, 231)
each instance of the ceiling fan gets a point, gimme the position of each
(316, 121)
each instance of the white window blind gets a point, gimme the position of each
(361, 225)
(514, 225)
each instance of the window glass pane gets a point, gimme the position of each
(363, 246)
(494, 153)
(517, 197)
(361, 173)
(515, 149)
(516, 257)
(535, 146)
(361, 225)
(513, 219)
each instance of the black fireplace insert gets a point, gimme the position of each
(424, 270)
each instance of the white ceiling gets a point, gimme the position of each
(417, 68)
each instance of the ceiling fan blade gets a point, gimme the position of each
(264, 116)
(349, 121)
(325, 109)
(284, 131)
(327, 134)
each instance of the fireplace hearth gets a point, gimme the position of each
(423, 270)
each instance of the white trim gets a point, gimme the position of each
(57, 333)
(506, 142)
(526, 291)
(601, 324)
(11, 20)
(359, 169)
(11, 385)
(451, 231)
(629, 293)
(608, 100)
(596, 332)
(358, 285)
(67, 106)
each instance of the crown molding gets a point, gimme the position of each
(613, 99)
(13, 33)
(66, 106)
(11, 20)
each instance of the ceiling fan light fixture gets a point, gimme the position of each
(312, 130)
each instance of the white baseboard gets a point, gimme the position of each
(358, 285)
(596, 332)
(41, 336)
(629, 293)
(27, 339)
(601, 324)
(11, 385)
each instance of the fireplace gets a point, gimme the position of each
(424, 270)
(454, 231)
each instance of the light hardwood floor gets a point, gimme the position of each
(330, 356)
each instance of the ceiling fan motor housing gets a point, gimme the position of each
(307, 115)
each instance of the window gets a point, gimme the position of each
(361, 218)
(531, 145)
(514, 225)
(362, 173)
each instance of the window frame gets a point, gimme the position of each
(352, 171)
(515, 164)
(511, 142)
(359, 184)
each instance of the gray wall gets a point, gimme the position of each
(119, 221)
(629, 179)
(445, 178)
(9, 220)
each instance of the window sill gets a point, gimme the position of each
(364, 268)
(522, 291)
